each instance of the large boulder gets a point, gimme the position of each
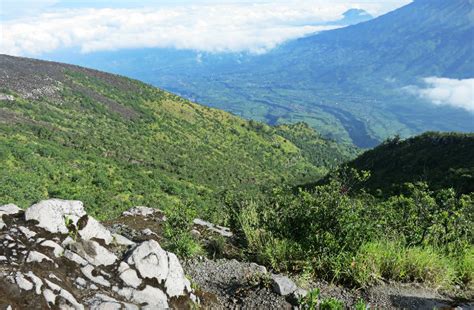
(53, 215)
(176, 283)
(150, 260)
(153, 262)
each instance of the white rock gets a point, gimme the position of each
(57, 249)
(7, 97)
(148, 232)
(65, 294)
(87, 272)
(37, 257)
(37, 281)
(27, 232)
(223, 231)
(104, 302)
(125, 292)
(139, 211)
(55, 277)
(81, 282)
(50, 297)
(67, 241)
(150, 260)
(52, 214)
(96, 254)
(22, 282)
(75, 258)
(9, 209)
(121, 240)
(176, 282)
(70, 298)
(122, 267)
(154, 297)
(53, 286)
(94, 229)
(204, 223)
(3, 258)
(283, 285)
(131, 278)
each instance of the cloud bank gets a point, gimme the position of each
(444, 91)
(252, 27)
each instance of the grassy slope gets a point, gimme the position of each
(113, 143)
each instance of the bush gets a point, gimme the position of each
(343, 234)
(465, 269)
(280, 254)
(177, 230)
(331, 304)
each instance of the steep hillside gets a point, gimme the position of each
(442, 160)
(112, 142)
(349, 84)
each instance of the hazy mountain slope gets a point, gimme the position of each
(441, 159)
(425, 38)
(355, 76)
(349, 84)
(112, 142)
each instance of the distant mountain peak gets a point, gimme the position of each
(354, 16)
(351, 13)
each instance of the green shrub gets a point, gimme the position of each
(465, 269)
(177, 230)
(361, 305)
(278, 253)
(331, 304)
(311, 300)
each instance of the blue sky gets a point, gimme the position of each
(36, 27)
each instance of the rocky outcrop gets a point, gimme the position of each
(223, 231)
(54, 255)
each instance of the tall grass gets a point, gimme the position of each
(391, 260)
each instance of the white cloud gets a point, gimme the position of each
(444, 91)
(254, 27)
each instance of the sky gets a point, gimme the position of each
(36, 27)
(443, 91)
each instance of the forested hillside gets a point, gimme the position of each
(442, 160)
(113, 143)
